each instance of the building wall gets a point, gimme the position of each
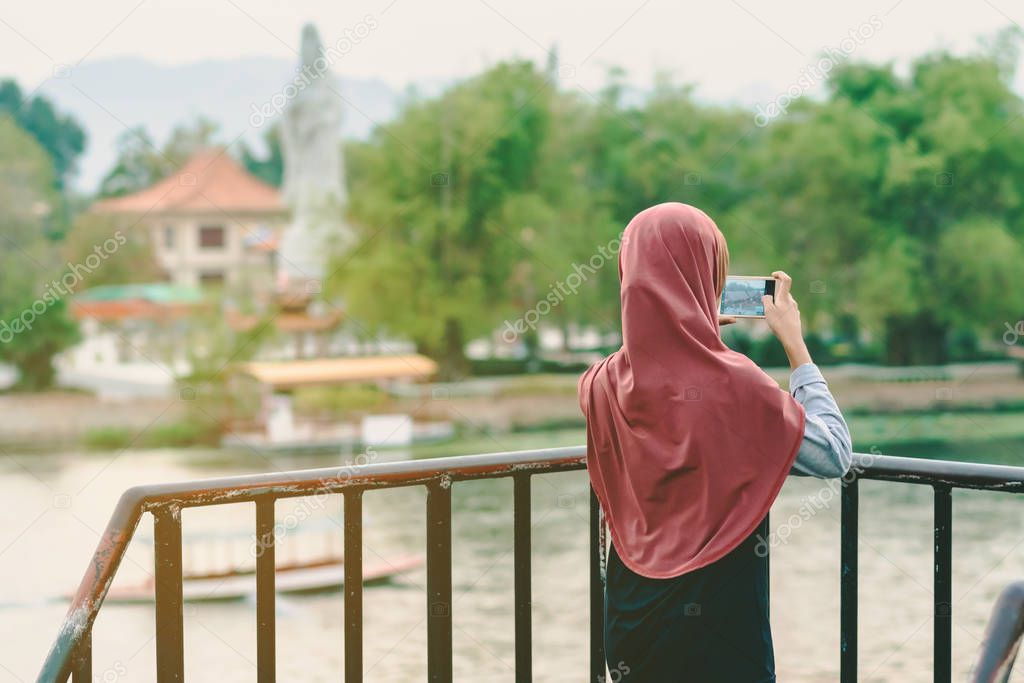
(176, 242)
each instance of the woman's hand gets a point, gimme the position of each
(783, 317)
(724, 320)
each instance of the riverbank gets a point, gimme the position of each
(886, 408)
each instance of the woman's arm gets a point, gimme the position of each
(826, 450)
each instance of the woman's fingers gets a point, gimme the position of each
(725, 320)
(784, 283)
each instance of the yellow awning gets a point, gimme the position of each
(296, 373)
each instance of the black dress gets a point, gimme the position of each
(706, 626)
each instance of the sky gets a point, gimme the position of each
(750, 53)
(729, 48)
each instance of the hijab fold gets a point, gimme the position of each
(688, 442)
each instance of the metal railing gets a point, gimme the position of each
(71, 653)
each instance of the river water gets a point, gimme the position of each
(56, 504)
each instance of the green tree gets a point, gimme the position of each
(979, 268)
(34, 325)
(666, 147)
(430, 191)
(268, 168)
(133, 261)
(214, 350)
(140, 163)
(898, 200)
(59, 134)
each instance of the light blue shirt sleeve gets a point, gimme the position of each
(826, 450)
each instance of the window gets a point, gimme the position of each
(168, 237)
(211, 237)
(211, 278)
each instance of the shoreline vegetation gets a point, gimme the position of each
(941, 436)
(949, 412)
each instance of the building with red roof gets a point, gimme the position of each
(210, 222)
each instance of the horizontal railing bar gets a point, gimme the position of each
(299, 483)
(139, 499)
(956, 474)
(542, 461)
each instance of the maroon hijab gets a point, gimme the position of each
(688, 442)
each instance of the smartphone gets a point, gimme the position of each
(741, 297)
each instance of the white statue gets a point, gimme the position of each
(314, 169)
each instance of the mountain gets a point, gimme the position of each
(109, 96)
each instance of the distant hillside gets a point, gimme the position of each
(107, 96)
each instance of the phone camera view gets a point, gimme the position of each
(742, 296)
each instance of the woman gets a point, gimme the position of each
(688, 444)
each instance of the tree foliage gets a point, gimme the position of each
(34, 325)
(134, 259)
(140, 163)
(270, 167)
(467, 204)
(896, 201)
(901, 198)
(58, 134)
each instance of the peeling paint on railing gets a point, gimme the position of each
(442, 472)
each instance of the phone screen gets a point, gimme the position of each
(742, 296)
